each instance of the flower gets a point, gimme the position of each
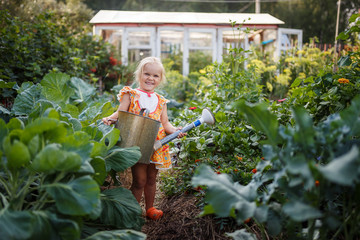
(281, 100)
(113, 61)
(239, 158)
(254, 170)
(343, 80)
(197, 160)
(317, 183)
(192, 108)
(235, 170)
(262, 158)
(218, 172)
(247, 220)
(93, 70)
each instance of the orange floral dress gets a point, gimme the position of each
(161, 157)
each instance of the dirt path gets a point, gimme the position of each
(180, 220)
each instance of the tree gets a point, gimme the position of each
(73, 13)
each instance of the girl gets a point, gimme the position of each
(149, 74)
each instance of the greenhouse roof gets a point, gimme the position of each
(111, 16)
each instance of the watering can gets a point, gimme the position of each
(138, 130)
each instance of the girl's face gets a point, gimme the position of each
(150, 77)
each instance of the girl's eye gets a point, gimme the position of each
(156, 76)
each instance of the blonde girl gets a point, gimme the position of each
(149, 74)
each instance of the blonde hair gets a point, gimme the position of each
(141, 65)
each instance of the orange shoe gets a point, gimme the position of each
(154, 213)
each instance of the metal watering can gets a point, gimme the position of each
(138, 130)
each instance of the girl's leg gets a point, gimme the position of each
(150, 186)
(139, 175)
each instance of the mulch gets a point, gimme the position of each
(181, 221)
(181, 218)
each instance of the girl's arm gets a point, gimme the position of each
(124, 106)
(169, 128)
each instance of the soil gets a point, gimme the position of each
(180, 220)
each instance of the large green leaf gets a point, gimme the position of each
(304, 134)
(351, 116)
(83, 90)
(96, 111)
(52, 158)
(36, 225)
(4, 84)
(3, 131)
(80, 143)
(120, 159)
(77, 198)
(120, 209)
(111, 138)
(343, 170)
(300, 212)
(261, 118)
(99, 166)
(242, 235)
(94, 132)
(66, 228)
(224, 196)
(17, 155)
(15, 224)
(26, 100)
(344, 61)
(53, 130)
(56, 88)
(118, 234)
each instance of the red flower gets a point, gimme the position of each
(197, 160)
(218, 172)
(93, 70)
(254, 170)
(235, 170)
(113, 61)
(317, 183)
(192, 108)
(281, 100)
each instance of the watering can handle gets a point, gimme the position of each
(144, 110)
(206, 117)
(174, 135)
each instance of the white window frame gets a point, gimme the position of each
(220, 42)
(96, 31)
(291, 31)
(187, 48)
(126, 47)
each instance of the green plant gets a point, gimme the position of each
(54, 158)
(308, 183)
(222, 145)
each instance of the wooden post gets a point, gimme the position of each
(336, 34)
(257, 6)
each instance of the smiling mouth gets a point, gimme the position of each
(149, 83)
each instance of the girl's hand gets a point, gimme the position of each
(109, 120)
(181, 134)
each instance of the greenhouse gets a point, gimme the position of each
(191, 35)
